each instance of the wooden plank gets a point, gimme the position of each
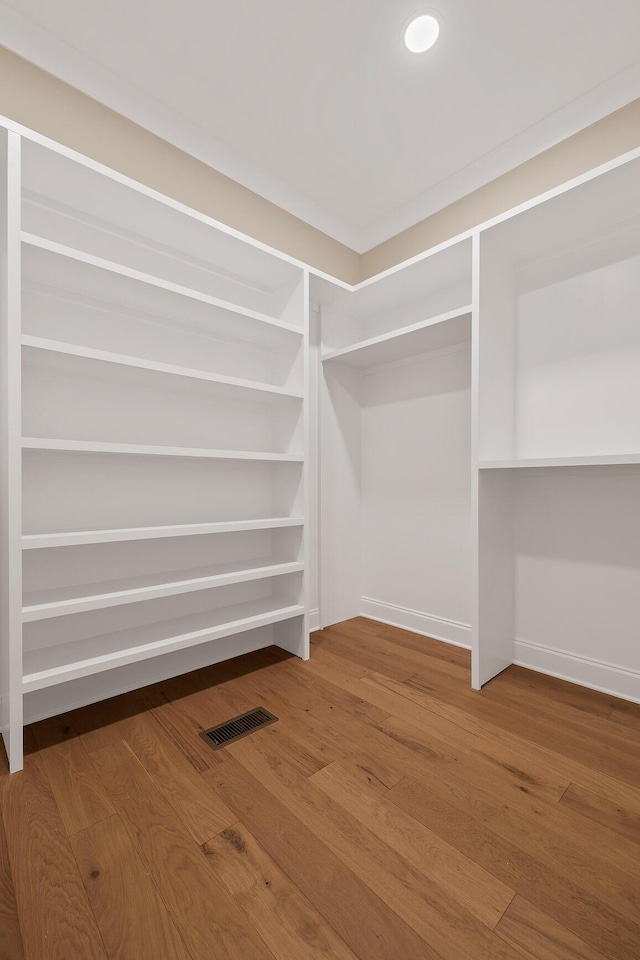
(447, 930)
(290, 926)
(423, 711)
(318, 738)
(362, 919)
(560, 896)
(608, 814)
(199, 809)
(225, 702)
(554, 691)
(304, 691)
(427, 646)
(575, 744)
(77, 790)
(626, 714)
(608, 866)
(131, 915)
(198, 903)
(58, 922)
(513, 693)
(538, 937)
(10, 935)
(369, 653)
(473, 887)
(104, 723)
(444, 750)
(180, 728)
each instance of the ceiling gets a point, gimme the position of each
(316, 105)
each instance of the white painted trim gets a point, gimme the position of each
(54, 55)
(314, 620)
(438, 628)
(534, 140)
(595, 674)
(163, 198)
(31, 41)
(259, 245)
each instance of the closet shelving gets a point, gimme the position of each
(479, 437)
(423, 307)
(436, 333)
(558, 435)
(157, 437)
(379, 343)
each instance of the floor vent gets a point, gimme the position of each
(231, 730)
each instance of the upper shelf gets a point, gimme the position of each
(77, 202)
(97, 282)
(578, 231)
(70, 538)
(37, 541)
(140, 449)
(597, 461)
(105, 356)
(436, 333)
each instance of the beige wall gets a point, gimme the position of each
(37, 100)
(602, 141)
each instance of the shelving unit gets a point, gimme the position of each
(47, 667)
(558, 435)
(395, 409)
(156, 437)
(478, 434)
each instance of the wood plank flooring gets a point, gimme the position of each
(391, 814)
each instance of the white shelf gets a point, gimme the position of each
(140, 449)
(436, 333)
(61, 601)
(74, 350)
(109, 266)
(36, 541)
(51, 665)
(607, 460)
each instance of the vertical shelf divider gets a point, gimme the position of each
(10, 456)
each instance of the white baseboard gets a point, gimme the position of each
(596, 674)
(314, 620)
(449, 631)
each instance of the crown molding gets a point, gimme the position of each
(33, 43)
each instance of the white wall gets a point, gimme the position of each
(416, 523)
(577, 359)
(577, 575)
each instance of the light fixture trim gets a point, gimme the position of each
(421, 31)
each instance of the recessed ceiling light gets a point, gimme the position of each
(421, 33)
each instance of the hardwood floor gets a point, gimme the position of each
(391, 814)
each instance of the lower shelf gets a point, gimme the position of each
(48, 666)
(58, 602)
